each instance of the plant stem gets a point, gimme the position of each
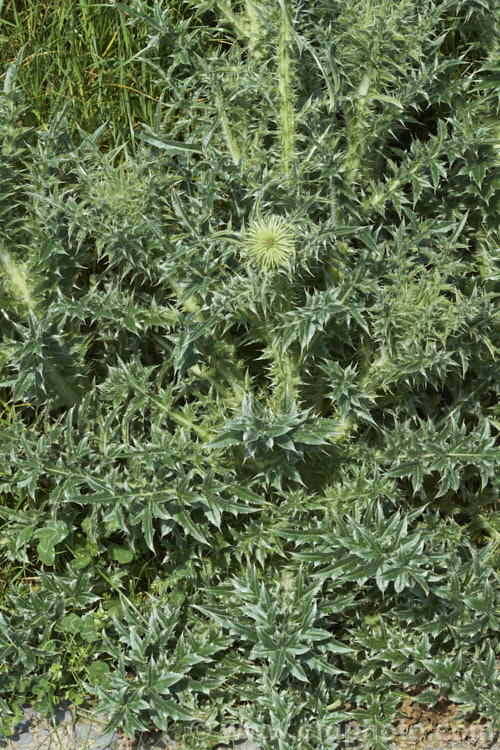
(254, 28)
(286, 115)
(354, 151)
(285, 371)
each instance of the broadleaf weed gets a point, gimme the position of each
(249, 366)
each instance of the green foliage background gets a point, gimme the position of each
(234, 493)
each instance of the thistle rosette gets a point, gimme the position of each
(269, 242)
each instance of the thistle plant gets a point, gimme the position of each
(249, 370)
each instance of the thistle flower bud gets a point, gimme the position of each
(269, 242)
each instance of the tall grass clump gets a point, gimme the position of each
(82, 57)
(249, 372)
